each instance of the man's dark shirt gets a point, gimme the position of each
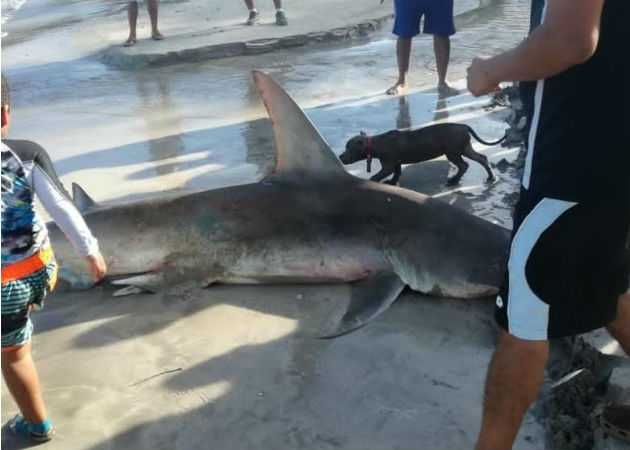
(578, 127)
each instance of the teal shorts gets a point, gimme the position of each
(17, 296)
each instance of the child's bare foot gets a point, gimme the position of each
(157, 36)
(447, 90)
(131, 41)
(399, 88)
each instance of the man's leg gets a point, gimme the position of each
(281, 18)
(403, 55)
(620, 327)
(20, 375)
(514, 379)
(253, 17)
(132, 15)
(152, 7)
(442, 49)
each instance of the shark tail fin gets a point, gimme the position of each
(301, 152)
(81, 199)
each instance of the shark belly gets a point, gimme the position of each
(306, 264)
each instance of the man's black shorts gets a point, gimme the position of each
(568, 264)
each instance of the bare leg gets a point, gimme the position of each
(281, 18)
(514, 379)
(442, 49)
(20, 375)
(152, 7)
(132, 15)
(614, 418)
(403, 54)
(253, 17)
(620, 327)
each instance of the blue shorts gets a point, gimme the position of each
(438, 17)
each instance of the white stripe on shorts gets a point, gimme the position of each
(528, 315)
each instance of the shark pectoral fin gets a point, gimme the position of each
(147, 282)
(368, 298)
(128, 290)
(81, 199)
(300, 150)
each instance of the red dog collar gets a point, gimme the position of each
(368, 152)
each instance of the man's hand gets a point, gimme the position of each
(568, 36)
(98, 268)
(479, 78)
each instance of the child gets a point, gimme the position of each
(28, 266)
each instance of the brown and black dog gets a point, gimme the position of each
(395, 148)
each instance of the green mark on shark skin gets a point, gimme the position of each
(207, 222)
(75, 280)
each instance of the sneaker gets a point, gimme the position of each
(253, 18)
(615, 420)
(281, 19)
(42, 432)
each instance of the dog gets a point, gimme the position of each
(396, 147)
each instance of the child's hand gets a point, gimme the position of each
(98, 268)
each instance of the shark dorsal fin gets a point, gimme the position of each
(301, 152)
(81, 200)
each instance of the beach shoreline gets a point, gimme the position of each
(239, 366)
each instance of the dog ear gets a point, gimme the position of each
(362, 133)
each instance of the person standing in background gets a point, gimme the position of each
(132, 15)
(254, 15)
(438, 21)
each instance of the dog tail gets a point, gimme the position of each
(478, 139)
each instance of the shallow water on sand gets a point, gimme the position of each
(129, 134)
(238, 366)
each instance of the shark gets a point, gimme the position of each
(308, 221)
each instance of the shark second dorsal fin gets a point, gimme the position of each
(81, 200)
(301, 152)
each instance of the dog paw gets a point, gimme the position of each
(492, 180)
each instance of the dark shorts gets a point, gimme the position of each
(568, 264)
(438, 17)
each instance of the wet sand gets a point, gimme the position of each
(236, 367)
(240, 367)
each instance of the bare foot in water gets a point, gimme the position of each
(399, 88)
(447, 90)
(157, 36)
(130, 42)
